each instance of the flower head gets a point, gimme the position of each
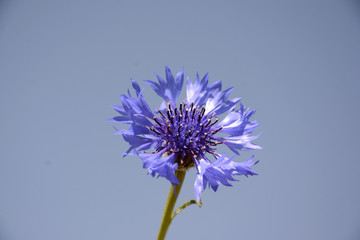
(183, 135)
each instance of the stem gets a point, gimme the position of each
(182, 207)
(169, 206)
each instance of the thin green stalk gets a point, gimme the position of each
(169, 206)
(182, 207)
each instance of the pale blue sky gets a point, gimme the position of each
(64, 63)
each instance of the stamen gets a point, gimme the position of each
(155, 119)
(168, 113)
(179, 128)
(169, 130)
(170, 108)
(202, 111)
(175, 111)
(204, 136)
(215, 122)
(161, 113)
(215, 143)
(208, 123)
(214, 132)
(197, 134)
(154, 130)
(180, 108)
(212, 143)
(159, 149)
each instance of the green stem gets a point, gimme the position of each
(182, 207)
(169, 206)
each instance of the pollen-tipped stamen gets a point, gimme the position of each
(154, 130)
(157, 121)
(214, 132)
(161, 113)
(169, 106)
(216, 120)
(208, 123)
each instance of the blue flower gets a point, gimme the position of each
(182, 136)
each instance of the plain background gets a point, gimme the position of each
(64, 63)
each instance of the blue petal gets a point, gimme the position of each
(238, 122)
(199, 92)
(242, 168)
(218, 102)
(141, 120)
(141, 143)
(130, 104)
(136, 105)
(135, 86)
(219, 172)
(121, 119)
(170, 89)
(165, 167)
(139, 129)
(242, 142)
(211, 96)
(119, 109)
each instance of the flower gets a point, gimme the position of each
(180, 136)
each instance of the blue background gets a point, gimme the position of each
(64, 63)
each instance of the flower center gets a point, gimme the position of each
(186, 131)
